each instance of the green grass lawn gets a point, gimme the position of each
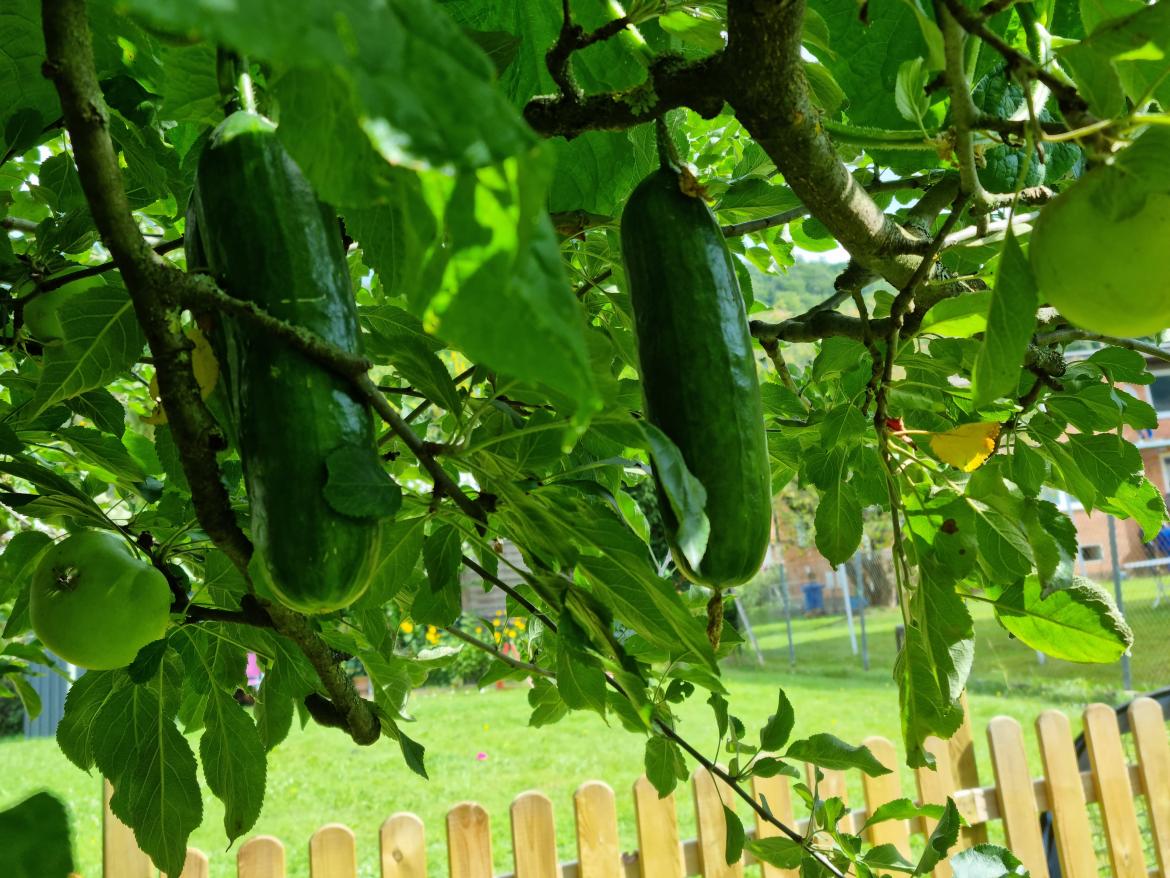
(317, 776)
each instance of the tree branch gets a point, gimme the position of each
(1064, 336)
(18, 224)
(60, 280)
(669, 86)
(514, 662)
(157, 290)
(153, 283)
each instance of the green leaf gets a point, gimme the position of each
(1011, 320)
(910, 90)
(1004, 551)
(401, 546)
(438, 601)
(146, 758)
(838, 523)
(19, 560)
(232, 756)
(102, 408)
(546, 703)
(959, 317)
(1107, 460)
(734, 838)
(686, 494)
(944, 837)
(933, 665)
(664, 764)
(778, 851)
(404, 107)
(397, 337)
(903, 809)
(1080, 623)
(274, 709)
(777, 730)
(104, 451)
(102, 340)
(357, 486)
(580, 679)
(987, 861)
(36, 837)
(503, 259)
(86, 698)
(829, 751)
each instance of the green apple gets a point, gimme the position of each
(95, 603)
(1101, 254)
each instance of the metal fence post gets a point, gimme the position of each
(1126, 670)
(787, 612)
(859, 575)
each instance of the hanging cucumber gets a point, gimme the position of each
(698, 371)
(262, 233)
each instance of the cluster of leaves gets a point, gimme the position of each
(513, 352)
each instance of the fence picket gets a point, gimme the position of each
(1111, 778)
(403, 848)
(778, 795)
(599, 853)
(333, 852)
(469, 842)
(934, 786)
(534, 840)
(120, 853)
(882, 789)
(710, 796)
(659, 851)
(195, 865)
(260, 857)
(966, 770)
(1066, 796)
(1153, 751)
(1017, 801)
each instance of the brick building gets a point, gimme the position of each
(1093, 529)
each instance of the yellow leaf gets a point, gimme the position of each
(966, 446)
(203, 362)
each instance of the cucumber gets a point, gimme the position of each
(698, 371)
(264, 236)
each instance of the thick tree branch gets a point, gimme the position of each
(670, 85)
(157, 290)
(18, 224)
(153, 283)
(770, 95)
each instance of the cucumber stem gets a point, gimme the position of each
(667, 154)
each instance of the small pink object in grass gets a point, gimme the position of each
(480, 756)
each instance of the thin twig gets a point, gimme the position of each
(472, 565)
(1064, 336)
(514, 662)
(60, 280)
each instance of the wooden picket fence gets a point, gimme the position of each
(1017, 799)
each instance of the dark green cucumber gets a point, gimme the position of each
(698, 371)
(266, 238)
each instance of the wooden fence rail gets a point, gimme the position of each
(1016, 798)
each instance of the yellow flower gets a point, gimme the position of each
(407, 626)
(511, 632)
(496, 623)
(430, 630)
(496, 635)
(479, 629)
(499, 612)
(519, 623)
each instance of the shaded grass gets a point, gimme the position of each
(318, 776)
